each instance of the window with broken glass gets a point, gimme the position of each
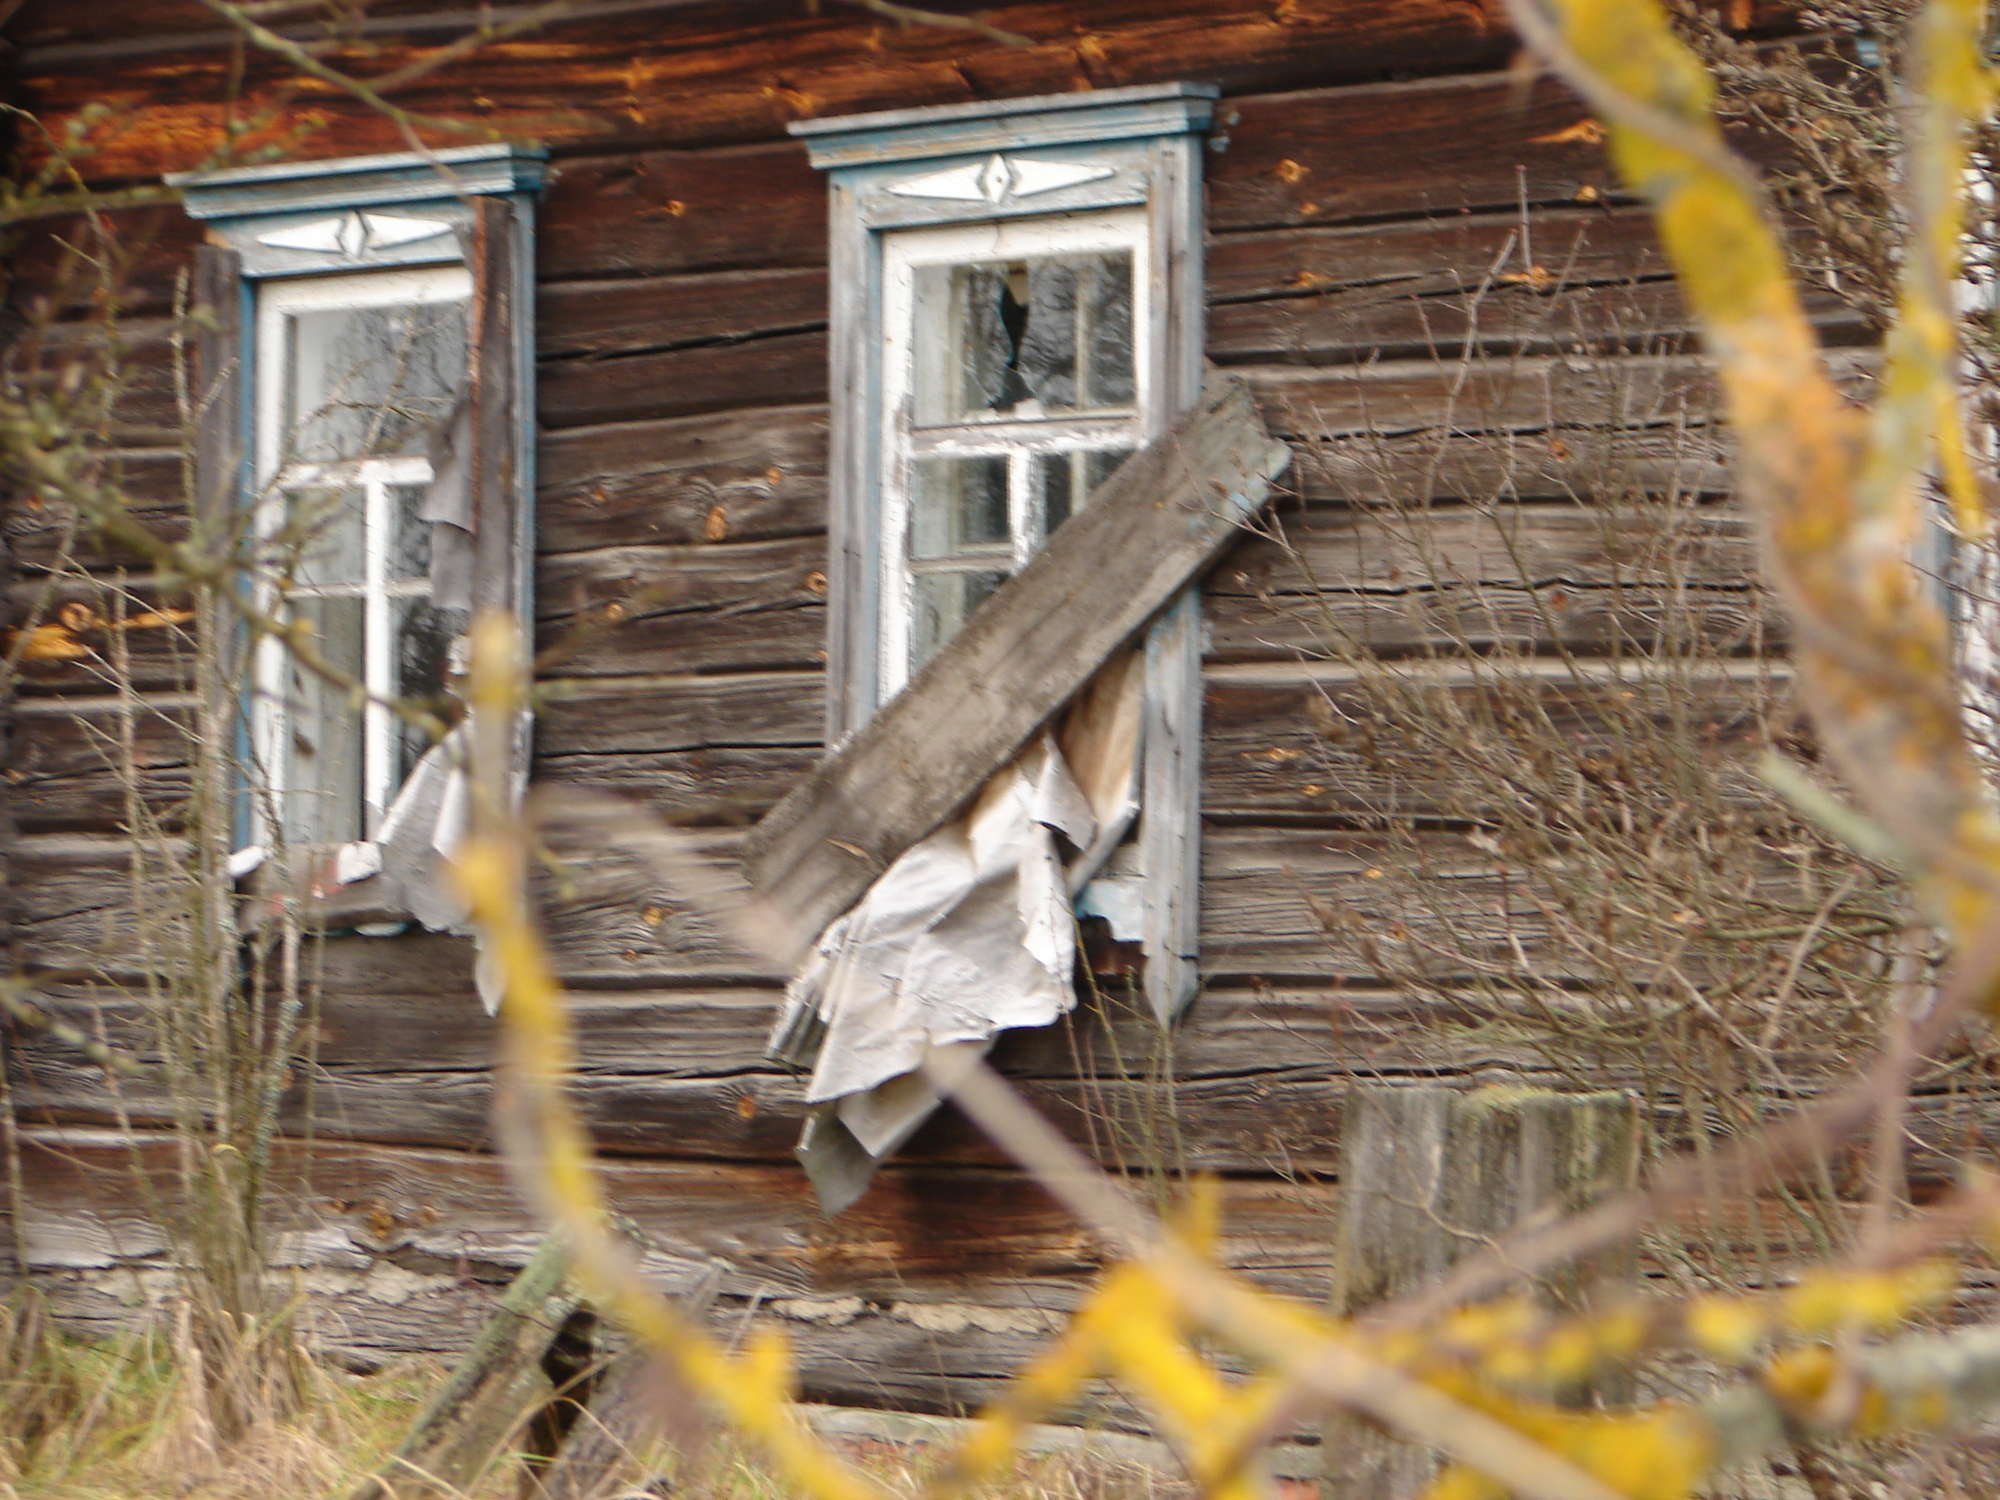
(1014, 384)
(355, 374)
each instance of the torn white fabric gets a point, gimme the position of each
(971, 932)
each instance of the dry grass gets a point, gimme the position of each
(120, 1419)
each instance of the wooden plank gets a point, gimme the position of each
(1434, 254)
(488, 1399)
(392, 1006)
(80, 619)
(1565, 461)
(1624, 620)
(1146, 532)
(1320, 750)
(1511, 544)
(134, 361)
(708, 74)
(700, 608)
(42, 536)
(67, 763)
(778, 369)
(750, 709)
(628, 314)
(738, 476)
(1431, 1176)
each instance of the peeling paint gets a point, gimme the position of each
(959, 1317)
(835, 1312)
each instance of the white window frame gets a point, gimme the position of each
(270, 717)
(458, 223)
(904, 254)
(1101, 155)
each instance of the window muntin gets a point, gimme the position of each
(1015, 371)
(353, 372)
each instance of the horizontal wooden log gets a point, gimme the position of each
(117, 377)
(1551, 245)
(49, 535)
(773, 370)
(406, 1004)
(70, 769)
(709, 74)
(1317, 156)
(738, 476)
(621, 315)
(1566, 462)
(707, 607)
(97, 635)
(79, 904)
(1339, 577)
(1462, 750)
(750, 709)
(1283, 1115)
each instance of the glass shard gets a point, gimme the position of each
(1024, 338)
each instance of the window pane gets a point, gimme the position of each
(941, 604)
(1024, 338)
(1067, 479)
(956, 504)
(322, 750)
(324, 534)
(409, 533)
(369, 381)
(423, 638)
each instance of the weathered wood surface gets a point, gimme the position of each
(707, 607)
(1276, 902)
(71, 770)
(704, 74)
(47, 535)
(718, 375)
(1227, 1103)
(746, 476)
(491, 1395)
(1429, 1176)
(694, 608)
(100, 635)
(1319, 156)
(1345, 750)
(1147, 531)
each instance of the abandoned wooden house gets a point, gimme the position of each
(873, 417)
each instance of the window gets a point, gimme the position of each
(1016, 309)
(367, 395)
(1010, 390)
(353, 373)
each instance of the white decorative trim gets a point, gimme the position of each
(999, 178)
(354, 234)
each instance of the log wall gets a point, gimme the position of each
(1381, 197)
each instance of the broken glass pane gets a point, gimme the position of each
(369, 381)
(422, 647)
(942, 604)
(324, 729)
(957, 504)
(1025, 338)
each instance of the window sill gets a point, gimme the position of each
(330, 887)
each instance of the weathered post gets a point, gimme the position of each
(1429, 1175)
